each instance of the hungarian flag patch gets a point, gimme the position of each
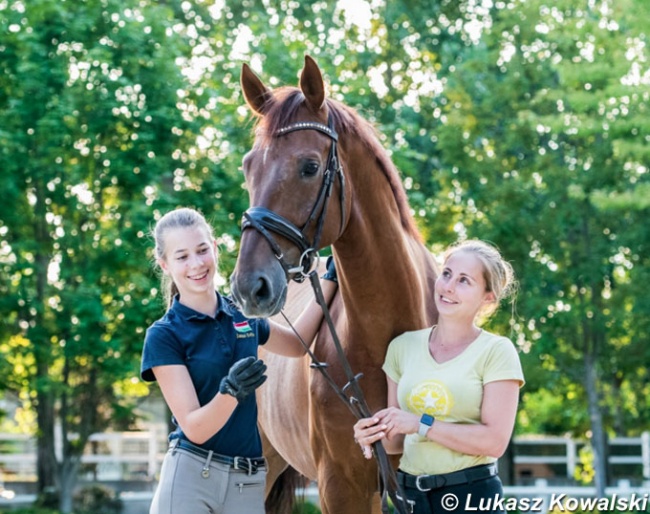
(242, 327)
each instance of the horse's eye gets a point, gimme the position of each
(309, 168)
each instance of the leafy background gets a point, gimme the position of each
(524, 123)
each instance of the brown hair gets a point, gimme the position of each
(497, 272)
(179, 218)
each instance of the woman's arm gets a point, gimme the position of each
(489, 437)
(198, 423)
(492, 435)
(394, 442)
(283, 340)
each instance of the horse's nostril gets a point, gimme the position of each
(261, 291)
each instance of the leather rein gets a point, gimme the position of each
(267, 222)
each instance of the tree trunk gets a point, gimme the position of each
(598, 435)
(69, 471)
(593, 343)
(46, 465)
(46, 457)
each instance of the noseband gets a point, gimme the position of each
(266, 222)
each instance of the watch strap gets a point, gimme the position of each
(426, 421)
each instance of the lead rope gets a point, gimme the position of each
(356, 402)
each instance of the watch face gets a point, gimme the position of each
(426, 419)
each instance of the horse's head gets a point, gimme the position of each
(296, 189)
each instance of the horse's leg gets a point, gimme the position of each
(275, 464)
(341, 492)
(347, 482)
(281, 481)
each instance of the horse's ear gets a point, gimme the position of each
(311, 84)
(257, 95)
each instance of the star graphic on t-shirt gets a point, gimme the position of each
(430, 397)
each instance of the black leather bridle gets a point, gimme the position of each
(266, 222)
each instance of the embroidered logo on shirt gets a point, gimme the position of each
(243, 329)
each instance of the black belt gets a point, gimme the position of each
(247, 464)
(464, 476)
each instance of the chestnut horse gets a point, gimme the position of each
(385, 273)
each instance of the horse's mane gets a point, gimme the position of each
(282, 110)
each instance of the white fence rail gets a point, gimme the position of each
(108, 456)
(549, 461)
(631, 453)
(138, 455)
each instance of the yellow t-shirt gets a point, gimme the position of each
(451, 392)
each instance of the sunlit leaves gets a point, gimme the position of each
(90, 124)
(525, 123)
(579, 183)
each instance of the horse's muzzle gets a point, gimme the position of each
(259, 294)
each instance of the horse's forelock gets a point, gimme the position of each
(283, 111)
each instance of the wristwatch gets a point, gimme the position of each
(426, 422)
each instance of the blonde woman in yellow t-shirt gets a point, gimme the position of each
(453, 391)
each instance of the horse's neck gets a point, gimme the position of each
(386, 275)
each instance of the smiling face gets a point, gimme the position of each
(461, 290)
(190, 260)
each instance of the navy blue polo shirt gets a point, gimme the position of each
(209, 347)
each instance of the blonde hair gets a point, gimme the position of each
(498, 273)
(179, 218)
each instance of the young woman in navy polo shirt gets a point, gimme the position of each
(203, 354)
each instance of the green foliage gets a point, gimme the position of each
(47, 499)
(584, 472)
(544, 147)
(32, 510)
(546, 412)
(542, 143)
(529, 131)
(97, 499)
(305, 507)
(92, 140)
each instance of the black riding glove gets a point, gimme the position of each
(330, 274)
(244, 377)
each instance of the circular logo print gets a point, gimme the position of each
(430, 397)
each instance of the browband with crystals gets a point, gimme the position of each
(307, 125)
